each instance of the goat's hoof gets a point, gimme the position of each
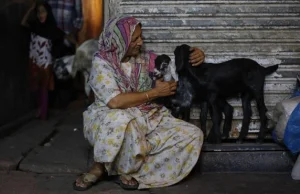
(260, 140)
(218, 141)
(239, 141)
(214, 140)
(225, 136)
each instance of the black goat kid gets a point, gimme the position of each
(244, 77)
(187, 93)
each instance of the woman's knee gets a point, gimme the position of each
(198, 132)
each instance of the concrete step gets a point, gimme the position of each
(247, 157)
(14, 148)
(66, 152)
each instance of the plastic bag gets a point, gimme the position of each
(296, 170)
(292, 132)
(281, 115)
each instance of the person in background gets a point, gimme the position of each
(45, 43)
(68, 16)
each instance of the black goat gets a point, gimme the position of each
(220, 81)
(186, 92)
(189, 92)
(179, 104)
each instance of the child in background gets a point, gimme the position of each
(46, 43)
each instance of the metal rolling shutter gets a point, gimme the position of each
(267, 31)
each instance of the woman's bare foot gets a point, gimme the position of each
(86, 180)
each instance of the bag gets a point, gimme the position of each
(292, 132)
(281, 115)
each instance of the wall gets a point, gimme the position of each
(93, 19)
(266, 31)
(14, 98)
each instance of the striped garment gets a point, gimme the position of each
(67, 13)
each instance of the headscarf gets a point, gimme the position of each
(113, 45)
(48, 29)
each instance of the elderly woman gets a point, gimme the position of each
(132, 137)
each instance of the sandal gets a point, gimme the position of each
(87, 179)
(127, 186)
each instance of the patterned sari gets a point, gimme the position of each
(144, 142)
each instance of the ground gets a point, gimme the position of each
(44, 157)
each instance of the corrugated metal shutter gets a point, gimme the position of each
(267, 31)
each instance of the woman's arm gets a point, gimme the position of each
(133, 99)
(25, 18)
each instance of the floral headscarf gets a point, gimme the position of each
(113, 45)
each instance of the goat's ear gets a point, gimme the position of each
(157, 61)
(187, 49)
(179, 58)
(168, 58)
(165, 58)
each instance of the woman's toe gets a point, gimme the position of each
(133, 182)
(124, 180)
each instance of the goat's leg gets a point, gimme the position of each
(186, 114)
(247, 112)
(203, 116)
(228, 112)
(215, 133)
(262, 115)
(175, 112)
(210, 132)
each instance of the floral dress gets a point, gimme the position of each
(150, 145)
(41, 75)
(40, 50)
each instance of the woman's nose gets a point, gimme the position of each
(140, 41)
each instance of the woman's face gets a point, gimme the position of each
(136, 42)
(42, 14)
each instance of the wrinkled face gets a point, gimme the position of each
(136, 42)
(182, 54)
(42, 14)
(161, 65)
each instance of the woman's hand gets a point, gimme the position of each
(197, 56)
(164, 88)
(26, 16)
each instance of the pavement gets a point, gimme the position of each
(44, 157)
(18, 182)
